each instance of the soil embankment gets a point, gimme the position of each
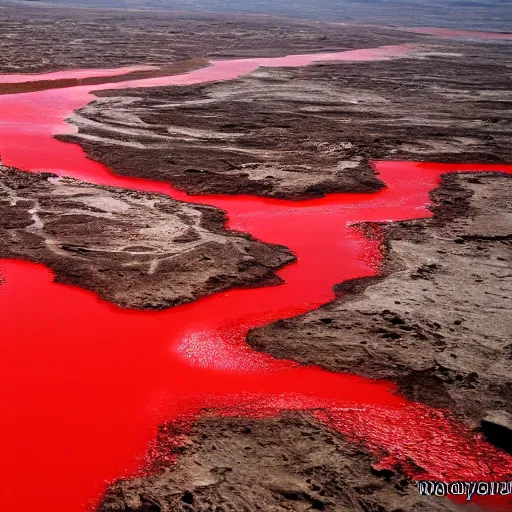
(136, 250)
(290, 463)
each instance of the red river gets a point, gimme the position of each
(85, 383)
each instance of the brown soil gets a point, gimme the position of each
(438, 323)
(136, 250)
(304, 132)
(288, 463)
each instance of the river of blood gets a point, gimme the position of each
(85, 383)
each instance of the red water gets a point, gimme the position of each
(85, 383)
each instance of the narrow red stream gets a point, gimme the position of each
(85, 384)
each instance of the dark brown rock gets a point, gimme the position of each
(497, 427)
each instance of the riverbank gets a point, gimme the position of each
(436, 322)
(139, 251)
(306, 132)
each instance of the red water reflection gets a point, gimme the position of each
(85, 384)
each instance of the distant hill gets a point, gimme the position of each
(471, 14)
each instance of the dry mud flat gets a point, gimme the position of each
(136, 250)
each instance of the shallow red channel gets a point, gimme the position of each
(85, 384)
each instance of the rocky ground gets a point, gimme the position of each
(291, 463)
(136, 250)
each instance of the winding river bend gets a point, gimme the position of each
(85, 384)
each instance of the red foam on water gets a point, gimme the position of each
(85, 384)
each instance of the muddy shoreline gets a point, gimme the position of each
(435, 322)
(136, 250)
(306, 132)
(289, 463)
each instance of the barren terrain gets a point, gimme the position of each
(288, 463)
(42, 38)
(437, 322)
(472, 14)
(303, 132)
(136, 250)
